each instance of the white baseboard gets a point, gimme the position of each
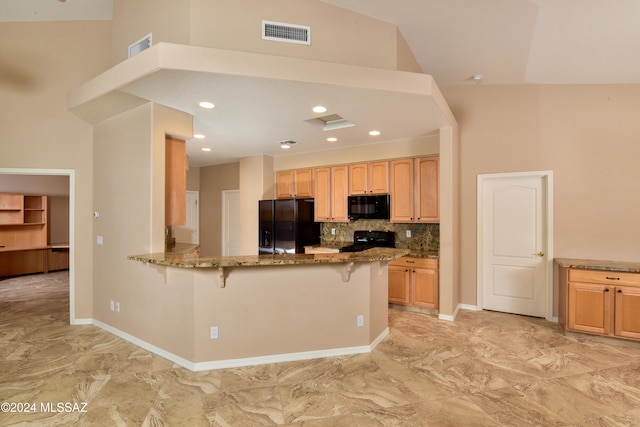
(235, 363)
(452, 317)
(143, 344)
(469, 307)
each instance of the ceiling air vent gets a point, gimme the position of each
(142, 44)
(290, 33)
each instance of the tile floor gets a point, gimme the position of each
(484, 369)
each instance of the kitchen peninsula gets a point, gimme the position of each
(270, 308)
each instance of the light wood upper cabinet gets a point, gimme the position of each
(294, 183)
(175, 209)
(284, 184)
(322, 191)
(23, 221)
(330, 189)
(402, 190)
(369, 178)
(427, 189)
(339, 193)
(414, 190)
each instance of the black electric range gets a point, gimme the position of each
(367, 239)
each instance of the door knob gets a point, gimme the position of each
(540, 253)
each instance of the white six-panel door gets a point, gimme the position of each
(513, 243)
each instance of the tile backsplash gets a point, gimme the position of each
(424, 237)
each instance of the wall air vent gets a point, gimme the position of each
(142, 44)
(290, 33)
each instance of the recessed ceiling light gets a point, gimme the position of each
(332, 139)
(206, 104)
(319, 109)
(374, 133)
(206, 149)
(198, 136)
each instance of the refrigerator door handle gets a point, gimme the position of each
(266, 240)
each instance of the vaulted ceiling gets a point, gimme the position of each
(504, 41)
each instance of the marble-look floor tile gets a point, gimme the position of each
(485, 368)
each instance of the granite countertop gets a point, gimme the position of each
(590, 264)
(198, 261)
(416, 253)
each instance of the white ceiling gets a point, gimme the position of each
(505, 41)
(517, 41)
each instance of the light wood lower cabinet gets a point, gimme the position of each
(414, 281)
(601, 302)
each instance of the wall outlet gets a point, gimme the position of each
(333, 231)
(117, 307)
(112, 304)
(360, 320)
(100, 240)
(408, 233)
(213, 333)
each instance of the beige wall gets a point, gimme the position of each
(214, 180)
(587, 135)
(167, 20)
(40, 62)
(129, 194)
(337, 35)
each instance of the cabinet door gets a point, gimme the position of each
(175, 181)
(339, 193)
(358, 179)
(627, 318)
(322, 190)
(427, 186)
(303, 183)
(590, 307)
(284, 184)
(401, 190)
(378, 177)
(425, 287)
(399, 285)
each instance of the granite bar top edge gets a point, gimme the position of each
(415, 253)
(199, 261)
(590, 264)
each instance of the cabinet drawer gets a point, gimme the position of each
(415, 262)
(604, 277)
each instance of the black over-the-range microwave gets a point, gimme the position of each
(369, 207)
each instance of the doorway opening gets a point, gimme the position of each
(70, 173)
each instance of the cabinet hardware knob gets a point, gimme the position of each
(612, 278)
(619, 291)
(409, 262)
(606, 290)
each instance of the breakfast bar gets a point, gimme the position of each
(247, 310)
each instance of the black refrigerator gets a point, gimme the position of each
(286, 226)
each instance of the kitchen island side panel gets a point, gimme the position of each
(267, 310)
